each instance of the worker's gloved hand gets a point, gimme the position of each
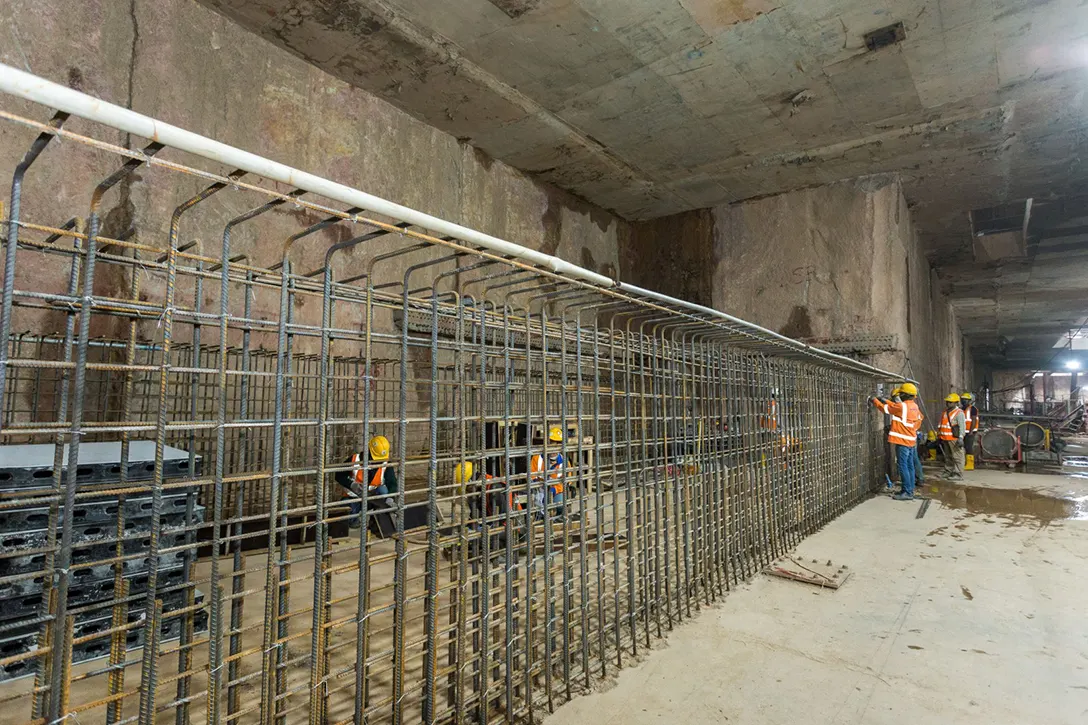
(958, 445)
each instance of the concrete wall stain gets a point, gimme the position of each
(75, 78)
(799, 324)
(552, 222)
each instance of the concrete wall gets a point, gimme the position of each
(831, 262)
(183, 63)
(1011, 389)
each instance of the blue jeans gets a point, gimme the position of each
(917, 466)
(557, 499)
(357, 505)
(904, 458)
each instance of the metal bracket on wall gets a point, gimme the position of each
(857, 345)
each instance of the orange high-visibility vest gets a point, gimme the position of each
(770, 420)
(944, 431)
(536, 465)
(903, 432)
(970, 415)
(360, 472)
(914, 416)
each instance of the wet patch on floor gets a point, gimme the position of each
(1019, 505)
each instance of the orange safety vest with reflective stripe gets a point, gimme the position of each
(770, 420)
(944, 431)
(903, 432)
(914, 416)
(536, 465)
(376, 480)
(970, 416)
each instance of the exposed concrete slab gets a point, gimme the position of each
(714, 15)
(957, 617)
(982, 103)
(649, 30)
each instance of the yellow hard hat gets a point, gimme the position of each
(463, 472)
(909, 389)
(966, 396)
(896, 391)
(555, 434)
(379, 448)
(951, 398)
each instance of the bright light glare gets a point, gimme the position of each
(1072, 364)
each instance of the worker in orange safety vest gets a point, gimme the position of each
(379, 478)
(769, 420)
(971, 422)
(951, 432)
(554, 464)
(906, 419)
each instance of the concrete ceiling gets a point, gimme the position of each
(651, 107)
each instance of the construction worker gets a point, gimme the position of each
(970, 420)
(487, 496)
(380, 480)
(769, 420)
(951, 431)
(554, 466)
(919, 437)
(903, 434)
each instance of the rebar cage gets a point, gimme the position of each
(229, 343)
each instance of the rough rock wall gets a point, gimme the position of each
(672, 255)
(831, 262)
(841, 261)
(183, 63)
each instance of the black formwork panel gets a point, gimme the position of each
(23, 640)
(13, 562)
(30, 466)
(90, 592)
(98, 511)
(85, 575)
(93, 532)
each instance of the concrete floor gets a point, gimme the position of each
(974, 614)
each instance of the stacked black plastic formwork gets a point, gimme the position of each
(26, 472)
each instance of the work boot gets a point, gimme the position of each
(903, 497)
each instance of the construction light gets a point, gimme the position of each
(1072, 364)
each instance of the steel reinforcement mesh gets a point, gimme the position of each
(234, 342)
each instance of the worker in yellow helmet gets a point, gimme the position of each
(970, 422)
(554, 464)
(378, 476)
(918, 418)
(488, 496)
(905, 418)
(951, 432)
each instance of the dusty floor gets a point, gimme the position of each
(973, 614)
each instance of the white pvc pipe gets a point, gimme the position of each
(32, 88)
(761, 331)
